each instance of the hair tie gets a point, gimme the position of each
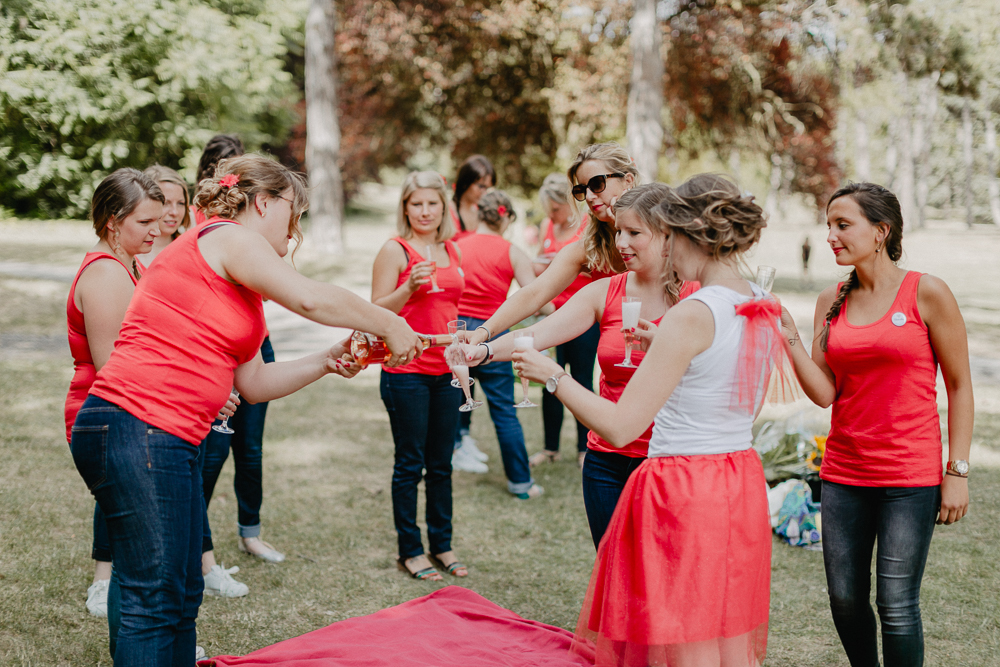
(229, 180)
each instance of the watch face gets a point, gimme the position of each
(551, 384)
(962, 467)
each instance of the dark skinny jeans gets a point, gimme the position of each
(581, 355)
(901, 521)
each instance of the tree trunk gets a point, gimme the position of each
(862, 153)
(967, 156)
(736, 165)
(891, 155)
(922, 142)
(644, 127)
(771, 203)
(991, 155)
(326, 210)
(905, 181)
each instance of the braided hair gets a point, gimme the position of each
(880, 207)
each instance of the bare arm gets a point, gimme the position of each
(573, 319)
(940, 312)
(814, 375)
(685, 331)
(389, 263)
(104, 291)
(566, 266)
(524, 272)
(250, 260)
(258, 382)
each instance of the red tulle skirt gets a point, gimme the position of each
(683, 573)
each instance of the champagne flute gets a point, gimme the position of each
(224, 426)
(765, 277)
(429, 255)
(454, 327)
(631, 305)
(524, 340)
(460, 367)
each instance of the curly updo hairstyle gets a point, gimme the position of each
(257, 175)
(599, 237)
(881, 208)
(489, 210)
(116, 198)
(643, 201)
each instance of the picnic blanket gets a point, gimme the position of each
(451, 626)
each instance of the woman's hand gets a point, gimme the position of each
(954, 499)
(403, 343)
(420, 274)
(788, 328)
(229, 409)
(643, 333)
(340, 361)
(534, 365)
(474, 354)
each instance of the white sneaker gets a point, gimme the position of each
(462, 460)
(97, 598)
(199, 653)
(220, 582)
(469, 443)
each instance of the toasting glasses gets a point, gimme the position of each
(631, 306)
(765, 277)
(429, 255)
(524, 340)
(224, 426)
(454, 327)
(455, 356)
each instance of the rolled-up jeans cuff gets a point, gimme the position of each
(249, 531)
(521, 487)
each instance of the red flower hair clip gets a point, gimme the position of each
(502, 210)
(229, 180)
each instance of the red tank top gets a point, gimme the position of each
(488, 274)
(885, 428)
(185, 332)
(551, 246)
(430, 313)
(84, 371)
(611, 351)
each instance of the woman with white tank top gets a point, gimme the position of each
(683, 573)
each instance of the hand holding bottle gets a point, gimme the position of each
(404, 345)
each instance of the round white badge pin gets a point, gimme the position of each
(899, 319)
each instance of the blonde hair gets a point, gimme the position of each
(599, 237)
(162, 174)
(556, 189)
(710, 210)
(257, 175)
(643, 201)
(419, 180)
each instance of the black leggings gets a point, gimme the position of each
(581, 354)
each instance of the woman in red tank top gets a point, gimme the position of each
(191, 333)
(491, 263)
(422, 404)
(884, 332)
(475, 176)
(176, 216)
(640, 239)
(125, 209)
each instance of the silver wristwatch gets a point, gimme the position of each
(959, 467)
(553, 382)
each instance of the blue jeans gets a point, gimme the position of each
(247, 444)
(423, 414)
(581, 354)
(101, 549)
(148, 485)
(604, 477)
(497, 382)
(901, 521)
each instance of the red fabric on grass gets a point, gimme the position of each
(451, 626)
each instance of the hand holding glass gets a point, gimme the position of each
(524, 340)
(224, 426)
(455, 356)
(631, 306)
(457, 329)
(429, 254)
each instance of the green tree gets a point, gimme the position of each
(87, 86)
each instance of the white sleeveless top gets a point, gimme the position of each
(697, 418)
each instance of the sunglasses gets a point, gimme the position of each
(595, 185)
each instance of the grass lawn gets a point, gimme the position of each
(328, 460)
